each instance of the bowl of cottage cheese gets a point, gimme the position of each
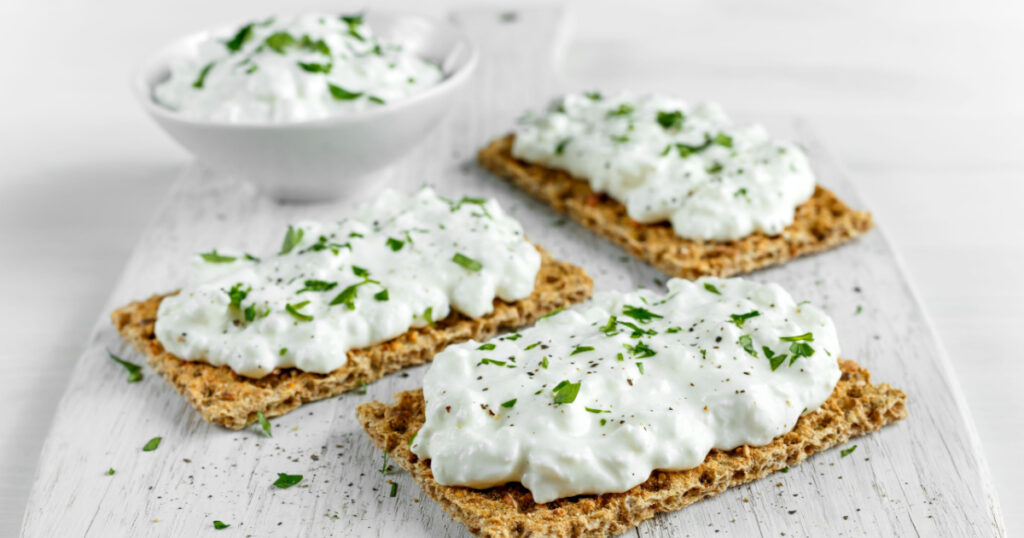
(307, 105)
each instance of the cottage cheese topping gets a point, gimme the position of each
(402, 262)
(667, 160)
(293, 69)
(591, 401)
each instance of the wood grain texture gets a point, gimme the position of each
(922, 476)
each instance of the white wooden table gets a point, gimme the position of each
(889, 104)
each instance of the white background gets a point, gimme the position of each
(921, 101)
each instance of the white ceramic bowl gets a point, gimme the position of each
(326, 158)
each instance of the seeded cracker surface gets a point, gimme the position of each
(855, 408)
(821, 223)
(228, 399)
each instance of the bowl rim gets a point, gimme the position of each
(157, 60)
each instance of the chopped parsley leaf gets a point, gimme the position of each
(596, 411)
(111, 471)
(565, 392)
(293, 309)
(640, 366)
(544, 363)
(317, 285)
(341, 94)
(715, 168)
(742, 191)
(243, 35)
(509, 403)
(467, 262)
(740, 319)
(237, 295)
(152, 444)
(553, 313)
(512, 337)
(773, 360)
(640, 350)
(593, 96)
(214, 257)
(285, 481)
(560, 148)
(581, 349)
(134, 370)
(486, 347)
(291, 238)
(490, 361)
(847, 451)
(711, 287)
(670, 120)
(360, 272)
(673, 330)
(808, 337)
(624, 109)
(362, 387)
(640, 314)
(201, 79)
(395, 244)
(219, 525)
(723, 140)
(347, 296)
(800, 349)
(264, 423)
(379, 101)
(428, 315)
(381, 295)
(685, 150)
(747, 344)
(394, 489)
(278, 41)
(314, 67)
(859, 309)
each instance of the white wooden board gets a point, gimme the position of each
(923, 476)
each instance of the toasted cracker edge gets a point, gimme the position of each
(228, 399)
(821, 223)
(855, 408)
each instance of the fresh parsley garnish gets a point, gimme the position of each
(640, 350)
(640, 366)
(134, 370)
(353, 22)
(565, 392)
(486, 347)
(806, 337)
(278, 41)
(314, 67)
(553, 313)
(640, 314)
(341, 94)
(285, 481)
(394, 489)
(747, 343)
(593, 96)
(619, 139)
(152, 444)
(467, 263)
(381, 295)
(241, 36)
(624, 109)
(685, 150)
(236, 294)
(773, 360)
(715, 168)
(740, 319)
(291, 239)
(428, 315)
(596, 411)
(509, 403)
(560, 148)
(214, 257)
(581, 349)
(670, 120)
(800, 349)
(847, 451)
(347, 296)
(293, 309)
(360, 272)
(201, 79)
(544, 363)
(317, 285)
(490, 361)
(379, 101)
(395, 244)
(723, 140)
(219, 525)
(264, 423)
(742, 191)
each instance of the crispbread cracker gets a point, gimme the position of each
(856, 407)
(820, 223)
(223, 397)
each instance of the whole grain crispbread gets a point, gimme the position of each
(223, 397)
(856, 407)
(821, 223)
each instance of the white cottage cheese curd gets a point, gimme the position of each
(403, 261)
(667, 160)
(281, 70)
(591, 401)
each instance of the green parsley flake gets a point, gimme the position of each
(740, 319)
(244, 34)
(236, 294)
(279, 41)
(640, 350)
(596, 411)
(214, 257)
(747, 343)
(670, 120)
(773, 360)
(467, 262)
(711, 287)
(640, 314)
(291, 239)
(134, 370)
(395, 244)
(341, 94)
(110, 472)
(624, 109)
(394, 489)
(544, 363)
(593, 96)
(560, 148)
(201, 79)
(428, 315)
(293, 309)
(314, 67)
(723, 140)
(581, 349)
(285, 481)
(381, 295)
(379, 101)
(847, 451)
(317, 285)
(490, 361)
(640, 366)
(806, 337)
(509, 403)
(565, 392)
(264, 423)
(220, 525)
(152, 444)
(486, 347)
